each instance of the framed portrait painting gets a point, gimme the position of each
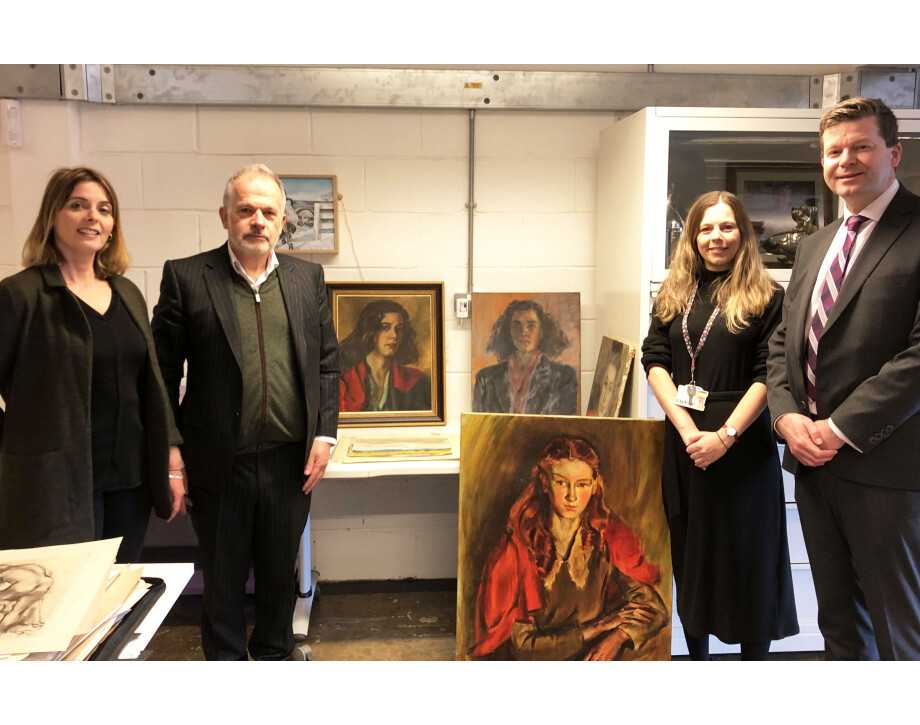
(391, 349)
(311, 208)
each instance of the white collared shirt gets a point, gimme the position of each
(255, 284)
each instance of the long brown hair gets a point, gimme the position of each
(40, 247)
(354, 348)
(530, 516)
(743, 293)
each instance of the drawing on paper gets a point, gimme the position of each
(23, 587)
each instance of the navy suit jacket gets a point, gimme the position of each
(195, 321)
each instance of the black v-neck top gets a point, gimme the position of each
(116, 414)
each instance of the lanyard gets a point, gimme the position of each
(712, 318)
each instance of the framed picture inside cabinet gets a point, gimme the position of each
(311, 208)
(786, 202)
(391, 350)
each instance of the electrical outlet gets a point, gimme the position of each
(462, 305)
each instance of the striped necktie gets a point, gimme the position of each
(829, 291)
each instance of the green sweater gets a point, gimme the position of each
(273, 408)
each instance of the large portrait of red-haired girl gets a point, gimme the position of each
(563, 542)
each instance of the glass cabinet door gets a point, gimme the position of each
(777, 176)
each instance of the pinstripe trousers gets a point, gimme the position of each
(256, 520)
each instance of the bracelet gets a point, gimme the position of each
(180, 477)
(721, 441)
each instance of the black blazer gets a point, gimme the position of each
(195, 321)
(46, 366)
(868, 376)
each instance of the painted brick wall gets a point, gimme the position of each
(403, 178)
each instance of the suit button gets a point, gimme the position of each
(889, 430)
(873, 440)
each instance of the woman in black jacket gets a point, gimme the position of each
(86, 429)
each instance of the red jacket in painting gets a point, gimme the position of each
(410, 389)
(511, 586)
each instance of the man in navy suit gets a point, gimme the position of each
(259, 414)
(844, 392)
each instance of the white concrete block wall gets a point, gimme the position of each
(9, 245)
(403, 179)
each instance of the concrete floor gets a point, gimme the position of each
(346, 624)
(362, 621)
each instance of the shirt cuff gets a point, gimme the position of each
(327, 439)
(840, 435)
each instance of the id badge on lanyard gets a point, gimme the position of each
(692, 395)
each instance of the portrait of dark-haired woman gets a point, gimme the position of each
(526, 380)
(568, 579)
(376, 362)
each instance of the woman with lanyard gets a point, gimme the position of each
(705, 358)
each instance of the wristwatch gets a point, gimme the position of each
(730, 431)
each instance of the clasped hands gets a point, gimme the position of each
(706, 447)
(812, 442)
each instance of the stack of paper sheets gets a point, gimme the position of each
(372, 449)
(60, 602)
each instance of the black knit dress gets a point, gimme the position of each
(728, 523)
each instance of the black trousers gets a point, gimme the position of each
(124, 513)
(863, 544)
(256, 520)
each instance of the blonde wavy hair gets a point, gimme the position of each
(40, 249)
(743, 293)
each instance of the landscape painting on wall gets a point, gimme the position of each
(391, 350)
(526, 353)
(614, 361)
(564, 550)
(311, 210)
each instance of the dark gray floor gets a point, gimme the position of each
(362, 621)
(366, 626)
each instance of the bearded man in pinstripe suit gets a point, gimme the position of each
(259, 414)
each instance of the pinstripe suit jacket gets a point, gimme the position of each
(195, 321)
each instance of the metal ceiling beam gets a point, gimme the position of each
(369, 87)
(408, 88)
